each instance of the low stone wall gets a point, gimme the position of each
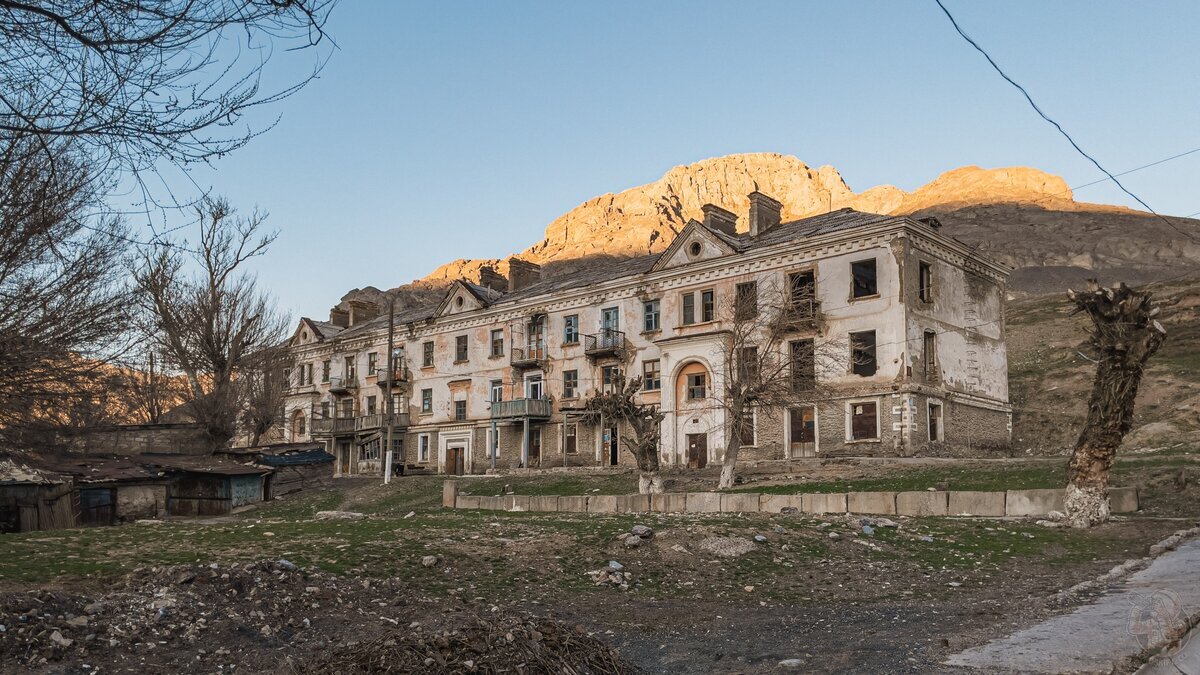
(928, 503)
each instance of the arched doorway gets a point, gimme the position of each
(692, 388)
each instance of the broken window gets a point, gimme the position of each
(935, 421)
(707, 308)
(570, 438)
(651, 375)
(804, 365)
(650, 316)
(325, 368)
(372, 363)
(347, 405)
(426, 354)
(570, 383)
(349, 369)
(929, 349)
(925, 281)
(423, 448)
(862, 353)
(802, 294)
(571, 329)
(610, 379)
(371, 409)
(498, 342)
(697, 386)
(864, 421)
(865, 284)
(460, 348)
(746, 301)
(746, 428)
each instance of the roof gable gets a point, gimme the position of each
(307, 332)
(694, 244)
(461, 297)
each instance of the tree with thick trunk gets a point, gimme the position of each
(1124, 336)
(621, 405)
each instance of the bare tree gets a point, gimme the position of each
(139, 81)
(210, 325)
(766, 361)
(1124, 336)
(264, 384)
(149, 389)
(63, 303)
(621, 405)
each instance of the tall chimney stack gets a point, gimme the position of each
(717, 218)
(490, 278)
(522, 274)
(765, 213)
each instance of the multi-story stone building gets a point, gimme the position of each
(496, 374)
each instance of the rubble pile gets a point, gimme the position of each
(482, 645)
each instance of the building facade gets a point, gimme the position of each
(908, 324)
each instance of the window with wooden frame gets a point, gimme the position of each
(460, 410)
(571, 439)
(372, 363)
(498, 342)
(460, 348)
(863, 420)
(935, 421)
(426, 354)
(803, 364)
(610, 379)
(697, 386)
(426, 401)
(925, 281)
(326, 366)
(651, 317)
(570, 383)
(423, 443)
(371, 405)
(929, 354)
(651, 375)
(571, 329)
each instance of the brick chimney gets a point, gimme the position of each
(339, 317)
(717, 218)
(765, 213)
(522, 274)
(361, 310)
(490, 278)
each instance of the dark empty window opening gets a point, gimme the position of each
(925, 281)
(929, 348)
(804, 365)
(865, 283)
(460, 348)
(746, 428)
(862, 353)
(746, 303)
(935, 421)
(802, 293)
(707, 308)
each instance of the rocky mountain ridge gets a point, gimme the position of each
(1024, 217)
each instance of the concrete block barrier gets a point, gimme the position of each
(669, 502)
(516, 503)
(704, 502)
(492, 503)
(543, 503)
(602, 504)
(633, 504)
(777, 503)
(872, 503)
(466, 502)
(834, 502)
(1032, 502)
(573, 504)
(740, 502)
(1123, 500)
(974, 503)
(922, 503)
(450, 493)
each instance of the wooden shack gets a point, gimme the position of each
(33, 499)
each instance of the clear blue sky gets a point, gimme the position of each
(459, 130)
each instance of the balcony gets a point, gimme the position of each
(380, 421)
(605, 343)
(394, 379)
(521, 408)
(336, 426)
(342, 385)
(802, 315)
(529, 356)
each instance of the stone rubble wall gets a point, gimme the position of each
(926, 503)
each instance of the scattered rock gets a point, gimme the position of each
(760, 538)
(633, 541)
(727, 547)
(286, 565)
(340, 515)
(789, 510)
(642, 531)
(430, 560)
(879, 522)
(78, 622)
(58, 639)
(868, 530)
(613, 564)
(792, 663)
(834, 535)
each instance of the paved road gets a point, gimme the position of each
(1143, 611)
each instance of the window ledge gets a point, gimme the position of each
(864, 440)
(493, 357)
(861, 298)
(570, 344)
(461, 361)
(656, 331)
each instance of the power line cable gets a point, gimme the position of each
(1055, 124)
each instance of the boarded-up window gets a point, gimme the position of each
(862, 353)
(864, 422)
(865, 283)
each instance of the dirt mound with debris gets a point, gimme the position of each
(484, 645)
(275, 617)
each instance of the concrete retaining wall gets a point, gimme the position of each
(929, 503)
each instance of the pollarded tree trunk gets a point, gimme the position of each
(1125, 336)
(729, 463)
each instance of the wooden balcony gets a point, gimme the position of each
(605, 343)
(335, 426)
(521, 408)
(342, 385)
(396, 378)
(380, 421)
(529, 356)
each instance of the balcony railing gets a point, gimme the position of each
(396, 377)
(380, 420)
(607, 341)
(342, 385)
(323, 426)
(529, 355)
(538, 408)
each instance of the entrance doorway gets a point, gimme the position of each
(456, 460)
(535, 447)
(610, 445)
(802, 423)
(344, 457)
(697, 451)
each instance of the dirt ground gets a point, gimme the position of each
(721, 593)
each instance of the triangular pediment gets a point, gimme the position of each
(459, 298)
(696, 243)
(307, 332)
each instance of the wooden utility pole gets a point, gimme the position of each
(391, 376)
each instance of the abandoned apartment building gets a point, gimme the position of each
(497, 374)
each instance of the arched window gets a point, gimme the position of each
(694, 384)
